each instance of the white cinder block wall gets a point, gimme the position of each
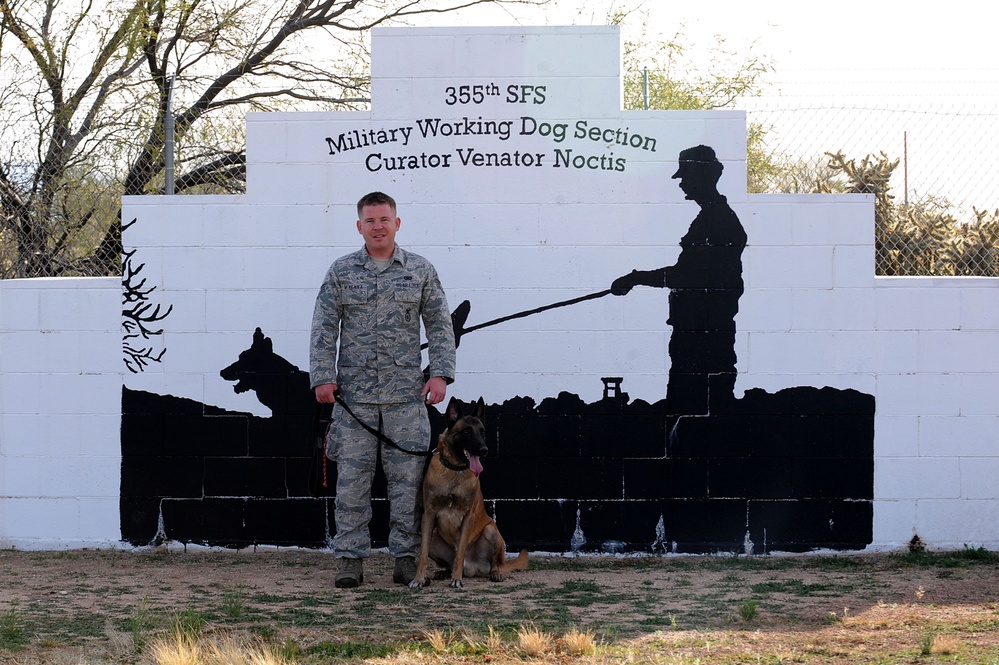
(813, 313)
(937, 428)
(60, 412)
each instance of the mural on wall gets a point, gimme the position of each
(138, 314)
(698, 470)
(800, 461)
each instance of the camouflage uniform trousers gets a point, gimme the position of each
(355, 452)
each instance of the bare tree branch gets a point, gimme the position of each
(84, 95)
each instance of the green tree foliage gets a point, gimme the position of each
(84, 91)
(668, 75)
(680, 80)
(806, 176)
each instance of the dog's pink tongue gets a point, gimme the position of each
(474, 464)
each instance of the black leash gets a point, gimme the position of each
(377, 433)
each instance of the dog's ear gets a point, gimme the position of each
(260, 341)
(480, 409)
(453, 412)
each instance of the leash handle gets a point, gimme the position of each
(377, 433)
(318, 474)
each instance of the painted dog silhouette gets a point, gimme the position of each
(280, 386)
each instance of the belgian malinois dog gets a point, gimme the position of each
(457, 532)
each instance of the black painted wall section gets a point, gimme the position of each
(794, 469)
(205, 475)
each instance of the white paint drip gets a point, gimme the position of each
(578, 539)
(160, 538)
(659, 545)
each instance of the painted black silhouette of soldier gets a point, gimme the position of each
(705, 284)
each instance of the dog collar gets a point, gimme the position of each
(451, 465)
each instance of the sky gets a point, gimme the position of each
(921, 84)
(858, 42)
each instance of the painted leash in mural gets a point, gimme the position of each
(460, 314)
(697, 471)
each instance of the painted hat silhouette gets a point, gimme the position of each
(698, 154)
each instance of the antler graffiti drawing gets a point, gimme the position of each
(137, 314)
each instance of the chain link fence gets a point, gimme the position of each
(931, 167)
(67, 223)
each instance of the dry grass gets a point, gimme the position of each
(182, 649)
(439, 640)
(580, 643)
(944, 645)
(494, 643)
(531, 641)
(534, 642)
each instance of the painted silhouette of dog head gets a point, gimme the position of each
(280, 386)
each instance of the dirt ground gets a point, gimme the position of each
(816, 608)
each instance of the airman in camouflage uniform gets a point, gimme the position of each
(372, 302)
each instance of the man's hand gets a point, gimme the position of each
(325, 393)
(434, 391)
(655, 278)
(622, 285)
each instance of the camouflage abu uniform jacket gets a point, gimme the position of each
(376, 317)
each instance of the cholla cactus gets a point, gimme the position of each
(922, 237)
